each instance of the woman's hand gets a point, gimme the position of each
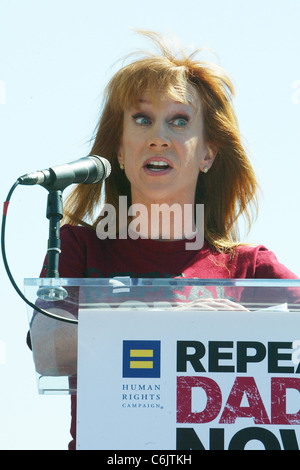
(211, 304)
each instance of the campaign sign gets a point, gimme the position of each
(187, 380)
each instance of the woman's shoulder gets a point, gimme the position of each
(77, 231)
(264, 261)
(252, 249)
(78, 239)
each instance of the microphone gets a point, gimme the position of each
(87, 170)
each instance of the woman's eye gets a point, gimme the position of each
(180, 121)
(141, 119)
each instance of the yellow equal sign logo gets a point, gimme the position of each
(142, 355)
(141, 358)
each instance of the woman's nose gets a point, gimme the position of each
(159, 137)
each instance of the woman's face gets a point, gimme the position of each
(163, 149)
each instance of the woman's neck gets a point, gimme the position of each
(162, 221)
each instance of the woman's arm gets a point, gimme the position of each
(54, 344)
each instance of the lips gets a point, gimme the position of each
(157, 165)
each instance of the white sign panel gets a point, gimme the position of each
(174, 379)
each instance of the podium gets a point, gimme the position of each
(176, 364)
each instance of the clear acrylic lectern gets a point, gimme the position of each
(172, 363)
(138, 294)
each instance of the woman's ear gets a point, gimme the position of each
(120, 158)
(208, 159)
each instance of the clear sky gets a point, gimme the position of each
(56, 57)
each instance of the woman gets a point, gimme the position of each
(169, 130)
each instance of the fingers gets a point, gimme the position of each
(226, 304)
(207, 304)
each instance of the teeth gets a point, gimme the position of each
(157, 165)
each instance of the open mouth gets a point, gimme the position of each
(157, 165)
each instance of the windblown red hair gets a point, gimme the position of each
(227, 191)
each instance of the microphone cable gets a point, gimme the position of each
(10, 276)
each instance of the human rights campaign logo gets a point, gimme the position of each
(141, 358)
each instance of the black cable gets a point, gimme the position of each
(33, 306)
